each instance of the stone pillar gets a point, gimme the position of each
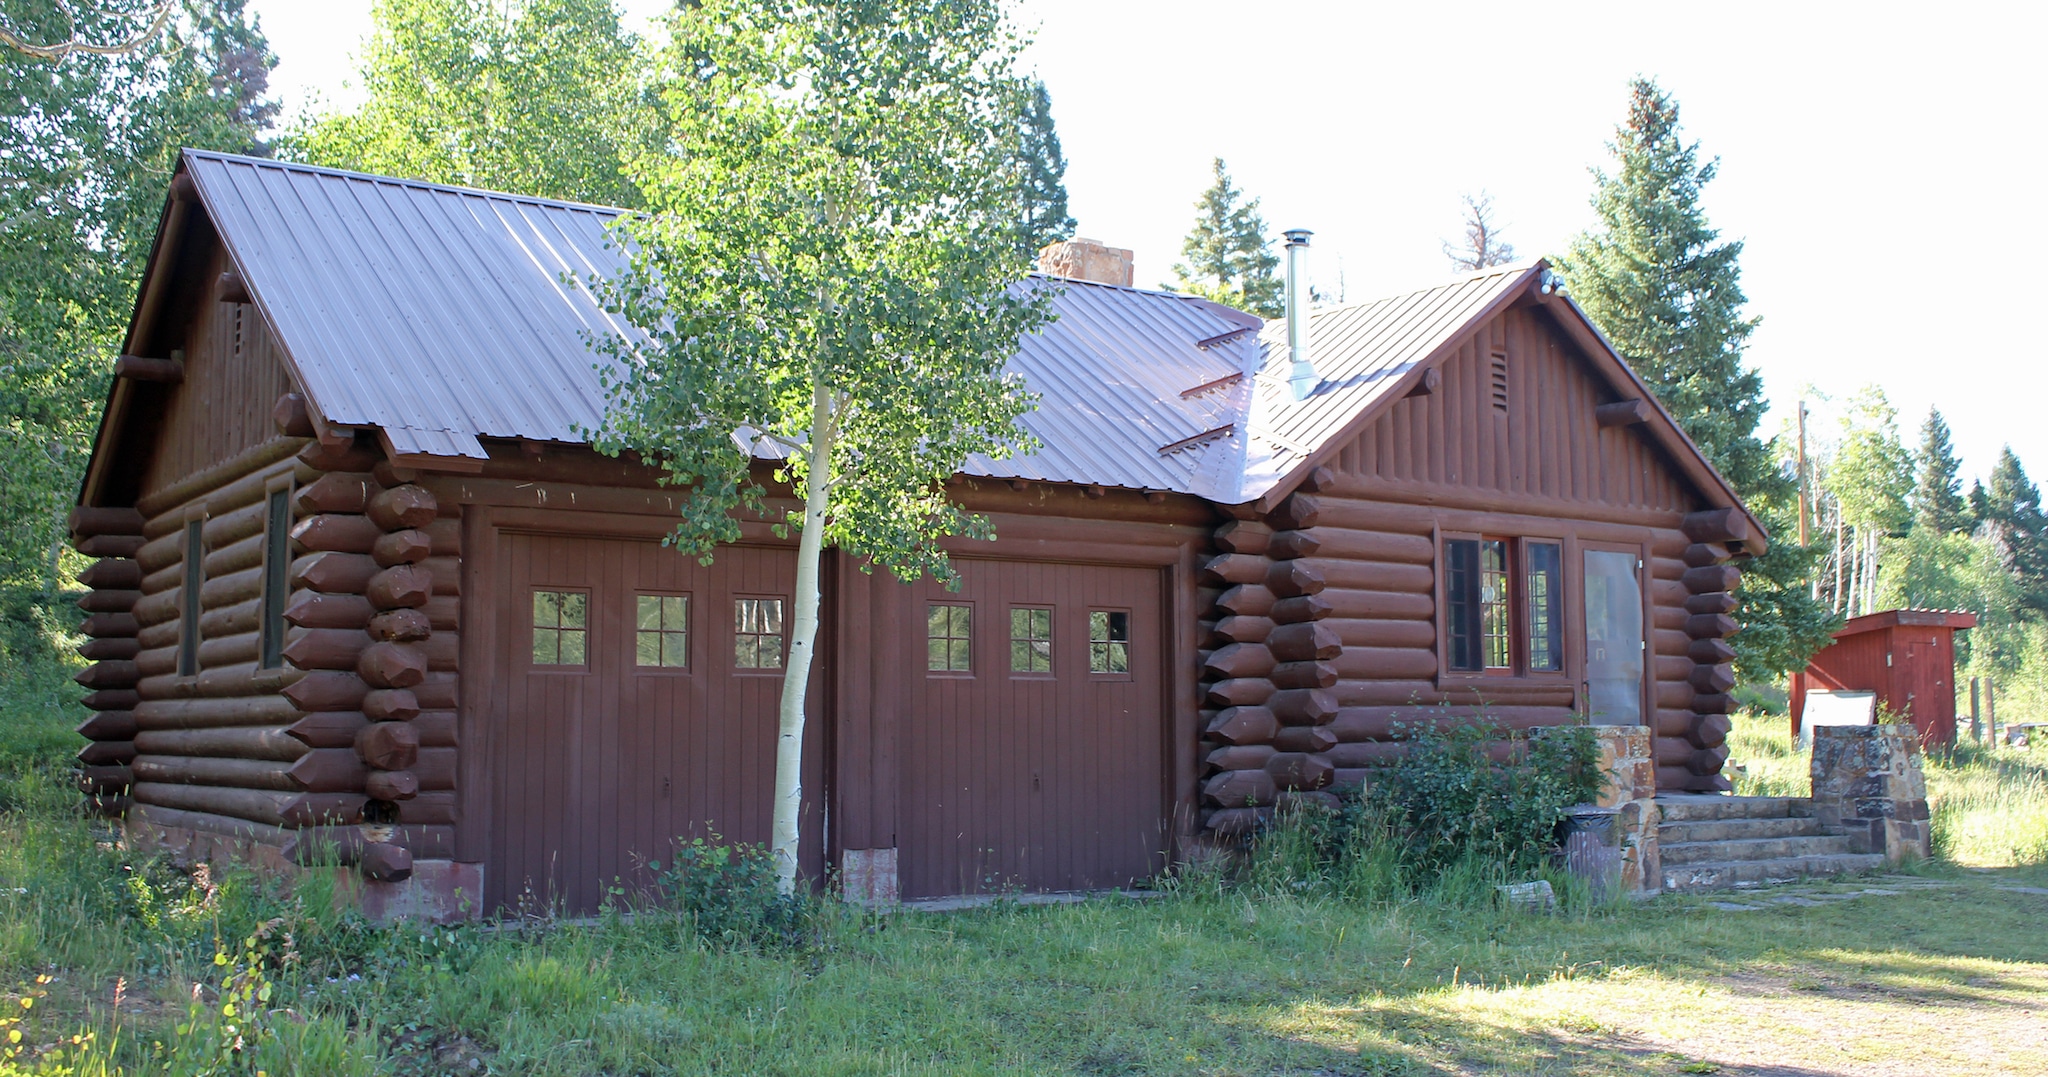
(1867, 782)
(1612, 843)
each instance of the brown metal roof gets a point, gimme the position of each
(441, 315)
(1362, 352)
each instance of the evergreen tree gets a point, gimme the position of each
(2017, 529)
(1665, 288)
(1042, 172)
(1227, 256)
(538, 97)
(91, 141)
(1938, 492)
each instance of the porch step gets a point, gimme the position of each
(1770, 849)
(1708, 807)
(1743, 829)
(1709, 842)
(1728, 874)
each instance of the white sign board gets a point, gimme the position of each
(1836, 708)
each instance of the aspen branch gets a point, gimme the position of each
(74, 44)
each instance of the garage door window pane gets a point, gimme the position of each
(948, 638)
(662, 631)
(1030, 640)
(757, 633)
(560, 628)
(1109, 642)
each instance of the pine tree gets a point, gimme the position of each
(1483, 247)
(1665, 288)
(1042, 179)
(2013, 520)
(1938, 492)
(1227, 256)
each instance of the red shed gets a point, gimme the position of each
(1908, 657)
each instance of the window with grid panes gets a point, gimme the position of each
(949, 633)
(1109, 641)
(757, 633)
(1494, 626)
(1030, 640)
(661, 635)
(1546, 606)
(561, 628)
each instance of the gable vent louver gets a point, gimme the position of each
(1500, 381)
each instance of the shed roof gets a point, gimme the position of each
(443, 315)
(1872, 622)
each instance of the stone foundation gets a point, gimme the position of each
(1612, 843)
(442, 891)
(1868, 784)
(439, 891)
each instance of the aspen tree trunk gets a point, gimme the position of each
(1842, 564)
(803, 639)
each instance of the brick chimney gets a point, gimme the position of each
(1087, 259)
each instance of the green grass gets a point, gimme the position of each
(1208, 980)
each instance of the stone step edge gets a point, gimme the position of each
(1808, 827)
(1787, 869)
(1678, 852)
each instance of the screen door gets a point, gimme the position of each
(1614, 638)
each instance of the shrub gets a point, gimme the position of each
(728, 894)
(1451, 800)
(1468, 805)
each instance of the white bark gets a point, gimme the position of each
(803, 638)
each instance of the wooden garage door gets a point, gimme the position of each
(635, 704)
(1034, 754)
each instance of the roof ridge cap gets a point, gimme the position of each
(403, 181)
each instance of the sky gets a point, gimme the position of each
(1875, 159)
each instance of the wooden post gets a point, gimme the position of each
(1976, 726)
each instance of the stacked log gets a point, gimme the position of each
(1266, 734)
(114, 582)
(287, 756)
(1693, 758)
(211, 755)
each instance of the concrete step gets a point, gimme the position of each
(1707, 807)
(1726, 875)
(1714, 852)
(1739, 830)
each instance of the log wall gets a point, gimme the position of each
(1508, 441)
(354, 726)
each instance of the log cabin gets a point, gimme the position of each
(363, 595)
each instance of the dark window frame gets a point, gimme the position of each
(191, 585)
(278, 520)
(781, 635)
(965, 641)
(1557, 598)
(1128, 643)
(1051, 641)
(688, 632)
(534, 628)
(1460, 615)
